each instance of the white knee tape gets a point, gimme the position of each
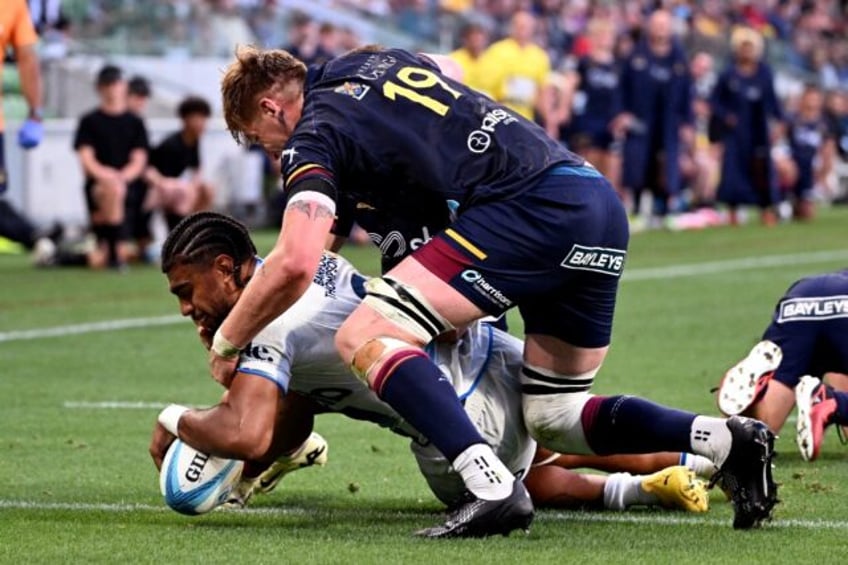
(553, 417)
(406, 307)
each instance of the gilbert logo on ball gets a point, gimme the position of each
(195, 483)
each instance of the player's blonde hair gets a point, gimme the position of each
(255, 72)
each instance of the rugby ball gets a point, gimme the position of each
(195, 483)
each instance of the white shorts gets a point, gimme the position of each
(484, 368)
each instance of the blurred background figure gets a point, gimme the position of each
(743, 103)
(177, 187)
(593, 101)
(138, 95)
(111, 143)
(17, 32)
(813, 149)
(474, 40)
(516, 71)
(657, 112)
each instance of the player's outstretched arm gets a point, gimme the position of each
(277, 285)
(241, 427)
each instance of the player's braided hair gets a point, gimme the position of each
(202, 236)
(255, 72)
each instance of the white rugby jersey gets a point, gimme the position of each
(297, 352)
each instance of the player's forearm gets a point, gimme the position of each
(30, 76)
(222, 431)
(274, 288)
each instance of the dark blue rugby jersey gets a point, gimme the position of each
(599, 82)
(810, 324)
(387, 122)
(806, 138)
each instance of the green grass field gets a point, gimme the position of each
(78, 485)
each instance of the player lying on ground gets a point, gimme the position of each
(536, 228)
(292, 371)
(808, 336)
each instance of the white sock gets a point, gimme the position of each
(711, 438)
(623, 490)
(699, 464)
(483, 473)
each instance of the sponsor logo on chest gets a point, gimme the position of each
(603, 260)
(813, 308)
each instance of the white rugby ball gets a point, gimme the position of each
(195, 483)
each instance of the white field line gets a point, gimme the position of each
(644, 274)
(114, 405)
(727, 265)
(104, 326)
(587, 517)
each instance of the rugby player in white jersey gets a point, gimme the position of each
(291, 371)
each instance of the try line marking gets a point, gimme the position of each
(644, 274)
(636, 518)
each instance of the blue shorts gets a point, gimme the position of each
(556, 251)
(3, 178)
(810, 324)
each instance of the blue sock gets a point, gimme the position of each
(421, 394)
(627, 424)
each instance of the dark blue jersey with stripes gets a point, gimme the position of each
(810, 324)
(386, 124)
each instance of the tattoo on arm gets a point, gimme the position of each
(313, 210)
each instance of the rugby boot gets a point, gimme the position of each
(816, 407)
(746, 381)
(478, 518)
(746, 472)
(313, 452)
(678, 487)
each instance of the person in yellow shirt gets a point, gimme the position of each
(17, 31)
(516, 70)
(475, 38)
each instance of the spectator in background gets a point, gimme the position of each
(303, 41)
(469, 56)
(138, 95)
(813, 149)
(136, 216)
(16, 30)
(176, 184)
(657, 106)
(594, 100)
(328, 44)
(836, 108)
(516, 71)
(702, 157)
(742, 103)
(112, 145)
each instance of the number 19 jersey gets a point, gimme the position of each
(388, 122)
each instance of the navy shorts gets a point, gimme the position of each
(556, 252)
(810, 325)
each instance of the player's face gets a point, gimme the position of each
(274, 124)
(206, 293)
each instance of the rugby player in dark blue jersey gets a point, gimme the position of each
(536, 228)
(806, 341)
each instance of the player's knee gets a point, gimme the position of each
(553, 408)
(369, 360)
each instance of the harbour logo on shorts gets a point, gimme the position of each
(482, 286)
(813, 308)
(596, 259)
(353, 89)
